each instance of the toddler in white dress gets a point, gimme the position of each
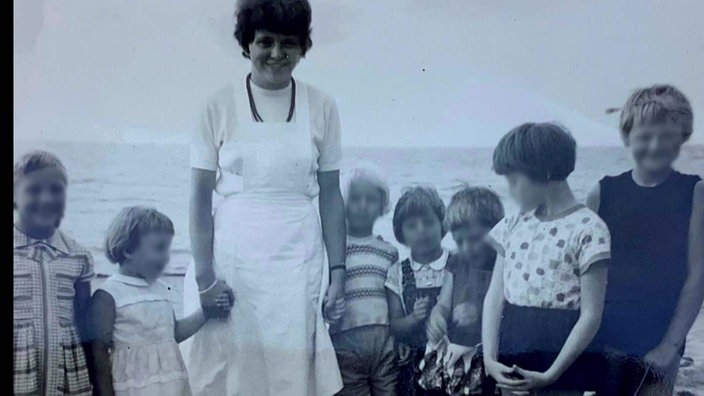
(135, 332)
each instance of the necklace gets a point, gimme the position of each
(253, 107)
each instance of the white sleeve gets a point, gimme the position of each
(204, 145)
(331, 147)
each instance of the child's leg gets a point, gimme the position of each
(384, 374)
(350, 349)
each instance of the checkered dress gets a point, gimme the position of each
(47, 354)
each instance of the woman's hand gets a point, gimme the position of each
(334, 302)
(212, 300)
(437, 326)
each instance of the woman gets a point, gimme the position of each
(274, 144)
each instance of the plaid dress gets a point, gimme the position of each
(47, 354)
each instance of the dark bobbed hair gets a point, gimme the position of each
(417, 201)
(542, 151)
(288, 17)
(473, 205)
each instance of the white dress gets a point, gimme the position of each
(145, 357)
(268, 247)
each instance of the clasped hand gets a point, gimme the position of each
(218, 301)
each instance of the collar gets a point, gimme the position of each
(56, 241)
(436, 265)
(130, 280)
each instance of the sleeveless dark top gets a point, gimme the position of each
(649, 229)
(470, 282)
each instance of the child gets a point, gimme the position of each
(134, 330)
(362, 340)
(413, 285)
(550, 277)
(454, 327)
(654, 290)
(51, 276)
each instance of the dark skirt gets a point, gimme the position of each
(531, 338)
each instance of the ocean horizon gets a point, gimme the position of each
(104, 177)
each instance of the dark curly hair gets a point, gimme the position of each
(418, 201)
(288, 17)
(542, 151)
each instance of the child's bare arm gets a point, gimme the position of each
(189, 325)
(492, 310)
(102, 320)
(401, 325)
(692, 294)
(593, 291)
(594, 199)
(81, 305)
(437, 324)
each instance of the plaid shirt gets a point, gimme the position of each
(47, 353)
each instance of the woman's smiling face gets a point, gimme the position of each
(274, 56)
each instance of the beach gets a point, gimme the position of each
(106, 177)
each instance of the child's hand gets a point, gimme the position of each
(437, 326)
(223, 304)
(454, 353)
(465, 314)
(420, 309)
(530, 380)
(504, 376)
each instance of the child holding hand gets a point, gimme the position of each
(362, 339)
(453, 363)
(134, 330)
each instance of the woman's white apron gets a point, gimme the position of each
(268, 247)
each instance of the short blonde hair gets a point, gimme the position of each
(473, 204)
(129, 226)
(38, 160)
(371, 173)
(656, 104)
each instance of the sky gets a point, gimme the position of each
(403, 72)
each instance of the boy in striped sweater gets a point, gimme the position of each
(362, 340)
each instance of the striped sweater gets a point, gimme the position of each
(367, 262)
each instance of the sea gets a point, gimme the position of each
(103, 178)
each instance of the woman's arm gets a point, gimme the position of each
(189, 325)
(692, 294)
(102, 322)
(593, 291)
(332, 218)
(201, 232)
(201, 225)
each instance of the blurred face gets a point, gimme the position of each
(364, 205)
(654, 147)
(40, 198)
(274, 56)
(526, 192)
(151, 256)
(423, 233)
(470, 242)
